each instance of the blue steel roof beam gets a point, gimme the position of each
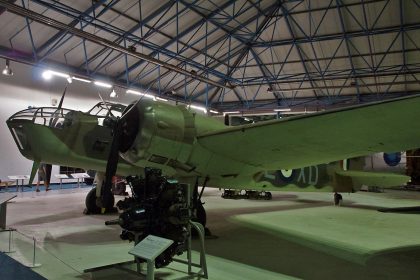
(183, 33)
(387, 50)
(335, 36)
(215, 42)
(112, 30)
(98, 40)
(162, 49)
(58, 43)
(318, 65)
(20, 29)
(266, 74)
(372, 60)
(267, 9)
(28, 26)
(216, 23)
(115, 31)
(404, 56)
(338, 74)
(85, 54)
(270, 13)
(181, 64)
(73, 23)
(269, 104)
(349, 54)
(136, 27)
(289, 27)
(217, 51)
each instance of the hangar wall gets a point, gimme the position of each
(27, 88)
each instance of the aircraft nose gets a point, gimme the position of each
(18, 129)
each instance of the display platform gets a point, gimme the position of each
(69, 242)
(353, 234)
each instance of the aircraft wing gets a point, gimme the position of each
(387, 126)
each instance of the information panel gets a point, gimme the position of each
(151, 247)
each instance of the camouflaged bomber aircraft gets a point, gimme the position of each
(200, 150)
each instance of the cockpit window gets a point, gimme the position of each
(104, 109)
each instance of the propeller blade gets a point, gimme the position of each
(227, 120)
(112, 163)
(62, 98)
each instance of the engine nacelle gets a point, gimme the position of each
(159, 134)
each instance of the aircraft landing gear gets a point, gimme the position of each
(93, 208)
(249, 194)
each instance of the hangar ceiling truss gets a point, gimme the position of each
(245, 54)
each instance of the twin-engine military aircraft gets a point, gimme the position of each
(155, 142)
(197, 149)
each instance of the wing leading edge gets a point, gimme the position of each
(391, 125)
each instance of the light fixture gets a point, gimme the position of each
(48, 74)
(7, 71)
(141, 94)
(282, 110)
(134, 92)
(214, 112)
(229, 113)
(102, 84)
(81, 79)
(113, 94)
(69, 80)
(161, 99)
(198, 108)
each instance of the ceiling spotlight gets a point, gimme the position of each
(47, 75)
(69, 80)
(7, 71)
(113, 93)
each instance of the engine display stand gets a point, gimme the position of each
(202, 265)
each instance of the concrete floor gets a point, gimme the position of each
(293, 236)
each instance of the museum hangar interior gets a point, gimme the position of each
(288, 128)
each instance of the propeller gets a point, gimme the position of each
(56, 115)
(124, 132)
(62, 99)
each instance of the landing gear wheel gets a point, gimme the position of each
(201, 215)
(92, 208)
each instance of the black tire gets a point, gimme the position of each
(90, 202)
(201, 216)
(89, 181)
